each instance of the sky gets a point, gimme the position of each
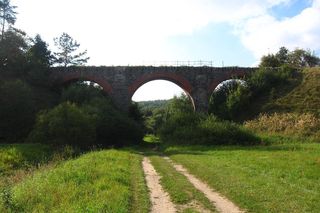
(144, 32)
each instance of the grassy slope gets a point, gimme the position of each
(277, 178)
(301, 94)
(305, 97)
(105, 181)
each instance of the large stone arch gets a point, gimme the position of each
(179, 80)
(107, 88)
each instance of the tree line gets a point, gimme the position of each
(32, 111)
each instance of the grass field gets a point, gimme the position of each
(102, 181)
(276, 178)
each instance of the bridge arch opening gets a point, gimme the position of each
(159, 90)
(89, 80)
(228, 98)
(82, 91)
(156, 99)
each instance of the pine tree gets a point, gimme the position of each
(67, 48)
(7, 15)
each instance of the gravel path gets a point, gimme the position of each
(159, 198)
(222, 204)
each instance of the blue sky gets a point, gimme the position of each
(122, 32)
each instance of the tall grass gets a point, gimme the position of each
(95, 182)
(290, 124)
(16, 156)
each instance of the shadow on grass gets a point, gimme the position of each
(160, 149)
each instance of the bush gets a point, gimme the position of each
(186, 128)
(17, 110)
(112, 126)
(81, 93)
(229, 100)
(64, 124)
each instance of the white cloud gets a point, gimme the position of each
(265, 33)
(127, 31)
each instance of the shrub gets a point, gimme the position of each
(64, 124)
(81, 93)
(193, 128)
(17, 110)
(113, 127)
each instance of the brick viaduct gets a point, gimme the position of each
(121, 82)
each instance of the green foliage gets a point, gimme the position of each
(17, 110)
(81, 93)
(297, 58)
(230, 99)
(22, 155)
(108, 122)
(269, 60)
(148, 106)
(303, 98)
(12, 53)
(192, 128)
(238, 100)
(67, 48)
(39, 59)
(179, 104)
(111, 124)
(64, 124)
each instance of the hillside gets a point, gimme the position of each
(151, 105)
(305, 97)
(301, 94)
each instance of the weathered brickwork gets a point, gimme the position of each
(122, 82)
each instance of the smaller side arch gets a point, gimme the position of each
(231, 75)
(107, 88)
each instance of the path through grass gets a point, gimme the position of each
(186, 197)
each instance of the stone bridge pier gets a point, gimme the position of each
(121, 82)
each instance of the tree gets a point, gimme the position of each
(7, 15)
(17, 110)
(12, 52)
(39, 53)
(283, 55)
(39, 59)
(65, 124)
(67, 47)
(269, 60)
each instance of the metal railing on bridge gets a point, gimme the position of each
(199, 63)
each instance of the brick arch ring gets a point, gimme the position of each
(172, 77)
(103, 83)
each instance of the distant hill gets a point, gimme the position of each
(146, 106)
